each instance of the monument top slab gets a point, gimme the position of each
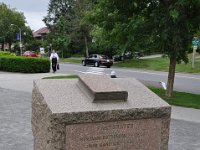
(102, 88)
(66, 96)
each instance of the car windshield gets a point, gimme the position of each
(28, 52)
(104, 57)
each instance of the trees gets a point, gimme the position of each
(167, 25)
(63, 19)
(11, 16)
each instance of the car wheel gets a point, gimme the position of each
(108, 66)
(96, 64)
(83, 63)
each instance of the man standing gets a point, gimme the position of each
(54, 60)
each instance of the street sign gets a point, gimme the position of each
(195, 47)
(41, 50)
(17, 36)
(195, 41)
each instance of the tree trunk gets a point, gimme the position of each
(3, 46)
(10, 44)
(171, 76)
(86, 47)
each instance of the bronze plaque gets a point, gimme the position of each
(144, 134)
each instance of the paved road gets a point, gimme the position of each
(183, 82)
(15, 116)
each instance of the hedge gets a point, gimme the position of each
(24, 64)
(6, 53)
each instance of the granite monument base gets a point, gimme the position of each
(69, 114)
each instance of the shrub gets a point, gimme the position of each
(5, 53)
(24, 64)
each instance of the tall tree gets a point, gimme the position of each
(61, 11)
(167, 25)
(11, 21)
(62, 40)
(72, 12)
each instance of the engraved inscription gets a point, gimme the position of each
(120, 135)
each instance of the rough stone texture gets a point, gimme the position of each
(143, 134)
(101, 88)
(59, 103)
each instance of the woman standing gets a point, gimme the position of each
(54, 60)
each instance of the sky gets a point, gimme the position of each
(34, 11)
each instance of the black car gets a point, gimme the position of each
(97, 60)
(123, 56)
(128, 55)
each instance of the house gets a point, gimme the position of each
(41, 33)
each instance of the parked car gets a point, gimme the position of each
(97, 60)
(123, 56)
(117, 57)
(30, 54)
(128, 55)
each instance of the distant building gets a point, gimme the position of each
(41, 33)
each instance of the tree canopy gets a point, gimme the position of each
(167, 25)
(70, 13)
(10, 23)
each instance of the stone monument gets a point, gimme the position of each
(98, 113)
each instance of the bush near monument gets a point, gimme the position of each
(24, 64)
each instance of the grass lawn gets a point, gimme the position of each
(160, 64)
(179, 98)
(149, 64)
(62, 77)
(71, 60)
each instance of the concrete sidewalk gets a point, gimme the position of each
(24, 82)
(186, 114)
(20, 81)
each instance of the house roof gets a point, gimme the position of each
(41, 32)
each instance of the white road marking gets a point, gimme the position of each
(93, 70)
(161, 74)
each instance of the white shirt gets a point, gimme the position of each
(54, 55)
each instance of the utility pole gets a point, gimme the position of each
(195, 43)
(20, 38)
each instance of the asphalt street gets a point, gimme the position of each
(183, 82)
(15, 116)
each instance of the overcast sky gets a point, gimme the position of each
(34, 11)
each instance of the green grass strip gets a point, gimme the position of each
(62, 77)
(71, 60)
(159, 64)
(179, 98)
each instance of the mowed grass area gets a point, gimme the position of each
(149, 64)
(179, 98)
(62, 77)
(71, 60)
(160, 64)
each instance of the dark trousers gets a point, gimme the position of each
(54, 64)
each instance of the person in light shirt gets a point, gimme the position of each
(54, 58)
